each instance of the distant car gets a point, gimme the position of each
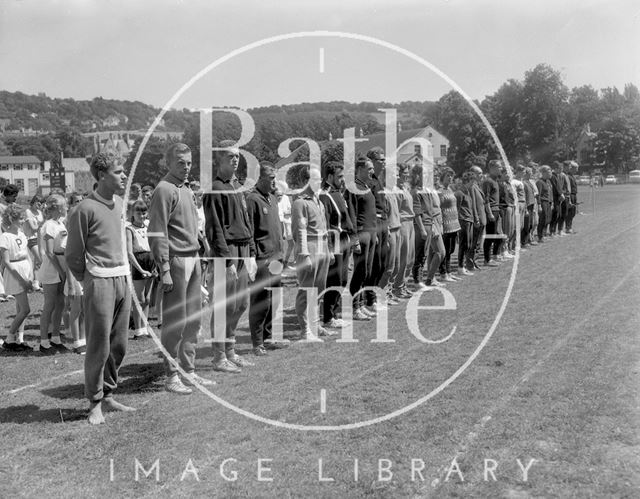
(610, 179)
(634, 177)
(584, 180)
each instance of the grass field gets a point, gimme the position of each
(557, 382)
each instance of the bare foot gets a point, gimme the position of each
(112, 405)
(95, 413)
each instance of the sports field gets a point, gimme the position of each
(557, 382)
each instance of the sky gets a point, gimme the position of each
(148, 50)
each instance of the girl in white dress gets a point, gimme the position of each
(52, 276)
(17, 274)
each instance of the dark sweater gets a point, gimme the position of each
(265, 222)
(491, 193)
(362, 208)
(226, 218)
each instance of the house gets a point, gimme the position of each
(23, 171)
(77, 175)
(585, 145)
(4, 124)
(440, 144)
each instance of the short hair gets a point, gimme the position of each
(55, 202)
(495, 163)
(102, 162)
(545, 168)
(375, 153)
(10, 190)
(361, 162)
(266, 167)
(475, 169)
(36, 199)
(136, 186)
(147, 188)
(444, 171)
(298, 175)
(173, 150)
(331, 168)
(12, 214)
(74, 196)
(226, 145)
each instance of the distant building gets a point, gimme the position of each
(4, 124)
(585, 147)
(77, 175)
(26, 172)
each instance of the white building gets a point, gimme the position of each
(26, 172)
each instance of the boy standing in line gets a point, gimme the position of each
(95, 255)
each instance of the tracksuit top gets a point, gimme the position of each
(544, 190)
(308, 222)
(478, 203)
(363, 208)
(94, 238)
(491, 194)
(226, 219)
(405, 205)
(264, 219)
(464, 202)
(172, 212)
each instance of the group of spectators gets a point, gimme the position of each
(185, 247)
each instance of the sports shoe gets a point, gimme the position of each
(447, 278)
(259, 351)
(455, 277)
(508, 255)
(47, 351)
(335, 324)
(491, 264)
(226, 366)
(174, 385)
(240, 361)
(192, 379)
(391, 300)
(360, 315)
(463, 271)
(370, 310)
(81, 350)
(437, 283)
(60, 347)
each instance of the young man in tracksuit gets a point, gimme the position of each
(340, 229)
(381, 251)
(480, 211)
(572, 169)
(262, 207)
(95, 255)
(559, 201)
(491, 193)
(362, 207)
(173, 225)
(228, 231)
(545, 201)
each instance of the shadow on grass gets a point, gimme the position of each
(134, 378)
(31, 413)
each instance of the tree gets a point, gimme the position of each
(72, 143)
(504, 111)
(617, 144)
(468, 137)
(544, 111)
